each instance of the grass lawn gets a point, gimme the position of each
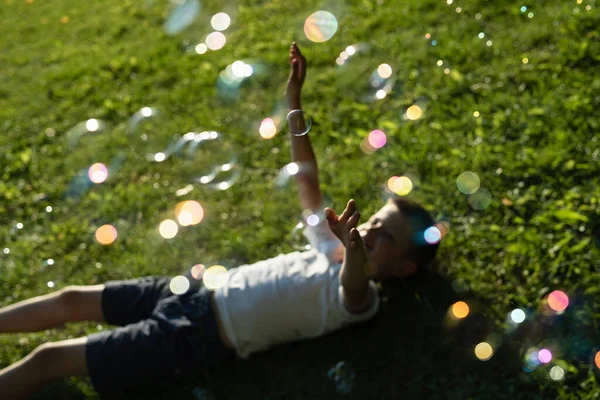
(509, 91)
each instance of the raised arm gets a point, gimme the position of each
(302, 152)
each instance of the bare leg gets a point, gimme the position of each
(70, 304)
(47, 363)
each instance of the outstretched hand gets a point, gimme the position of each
(297, 73)
(344, 226)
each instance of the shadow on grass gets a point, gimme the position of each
(410, 350)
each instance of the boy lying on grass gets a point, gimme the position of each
(163, 336)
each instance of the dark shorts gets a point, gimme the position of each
(163, 337)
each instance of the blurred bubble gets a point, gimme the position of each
(556, 373)
(197, 271)
(320, 26)
(468, 182)
(597, 359)
(342, 376)
(215, 277)
(181, 16)
(6, 250)
(414, 112)
(481, 199)
(179, 285)
(517, 316)
(558, 300)
(432, 235)
(202, 394)
(290, 171)
(400, 185)
(93, 155)
(106, 234)
(484, 351)
(312, 218)
(220, 21)
(149, 133)
(168, 229)
(460, 309)
(50, 284)
(208, 158)
(545, 356)
(250, 73)
(297, 238)
(299, 122)
(189, 212)
(364, 73)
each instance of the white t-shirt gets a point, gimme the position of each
(289, 297)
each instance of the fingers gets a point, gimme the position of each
(355, 239)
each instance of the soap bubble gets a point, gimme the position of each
(297, 239)
(481, 199)
(94, 155)
(364, 73)
(320, 26)
(468, 182)
(208, 158)
(181, 16)
(290, 171)
(342, 376)
(299, 122)
(149, 133)
(249, 72)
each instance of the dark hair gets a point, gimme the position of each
(419, 220)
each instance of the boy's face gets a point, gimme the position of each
(386, 237)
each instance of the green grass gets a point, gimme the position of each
(534, 146)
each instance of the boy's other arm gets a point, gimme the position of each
(354, 276)
(307, 179)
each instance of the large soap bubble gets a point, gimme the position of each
(207, 158)
(93, 156)
(365, 73)
(150, 132)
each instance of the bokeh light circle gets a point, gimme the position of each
(401, 185)
(106, 234)
(377, 139)
(414, 112)
(432, 235)
(517, 316)
(597, 359)
(179, 285)
(558, 300)
(215, 277)
(181, 16)
(320, 26)
(556, 373)
(197, 271)
(168, 229)
(189, 212)
(98, 173)
(460, 309)
(468, 182)
(545, 356)
(220, 21)
(484, 351)
(215, 40)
